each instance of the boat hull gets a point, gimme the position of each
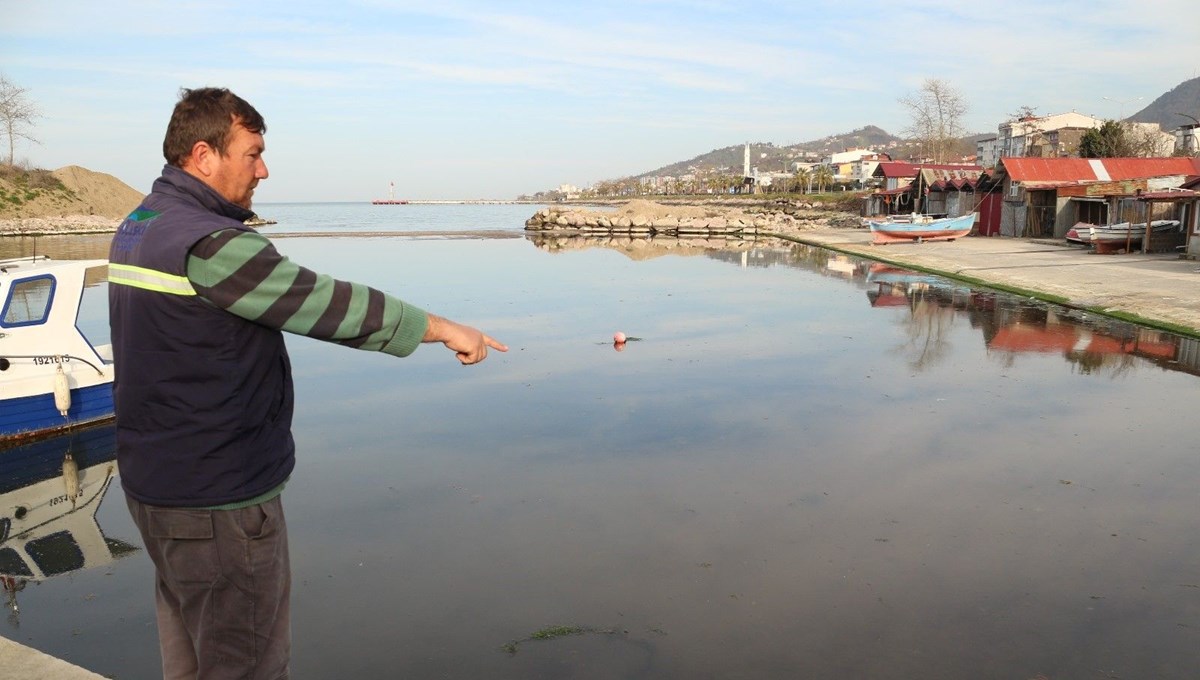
(44, 355)
(1123, 233)
(34, 417)
(919, 230)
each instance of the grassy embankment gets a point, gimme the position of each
(19, 187)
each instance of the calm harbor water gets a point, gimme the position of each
(806, 466)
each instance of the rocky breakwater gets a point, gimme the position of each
(58, 226)
(645, 219)
(643, 229)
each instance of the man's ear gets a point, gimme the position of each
(202, 159)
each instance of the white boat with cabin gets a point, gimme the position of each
(52, 377)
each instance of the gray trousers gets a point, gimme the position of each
(222, 587)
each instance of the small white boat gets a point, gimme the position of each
(1087, 234)
(921, 228)
(52, 378)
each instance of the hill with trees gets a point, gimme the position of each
(766, 156)
(1180, 106)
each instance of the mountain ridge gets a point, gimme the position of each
(1179, 106)
(766, 156)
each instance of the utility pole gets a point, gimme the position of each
(1123, 102)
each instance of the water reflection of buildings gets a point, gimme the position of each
(1012, 325)
(50, 491)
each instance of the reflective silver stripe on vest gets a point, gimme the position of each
(149, 279)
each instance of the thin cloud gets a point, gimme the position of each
(619, 84)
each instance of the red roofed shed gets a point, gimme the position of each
(1046, 196)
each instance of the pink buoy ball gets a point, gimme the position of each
(618, 337)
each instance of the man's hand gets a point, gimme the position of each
(470, 345)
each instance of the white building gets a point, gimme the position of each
(1186, 140)
(1016, 136)
(987, 152)
(847, 166)
(1058, 136)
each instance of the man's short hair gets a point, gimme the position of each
(206, 114)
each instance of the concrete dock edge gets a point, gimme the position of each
(26, 663)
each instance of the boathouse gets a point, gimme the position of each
(1045, 197)
(947, 190)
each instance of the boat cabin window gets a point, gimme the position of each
(28, 302)
(11, 564)
(56, 554)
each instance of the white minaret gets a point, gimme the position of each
(746, 161)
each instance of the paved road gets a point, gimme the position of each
(1160, 289)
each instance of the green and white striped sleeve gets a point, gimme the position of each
(242, 273)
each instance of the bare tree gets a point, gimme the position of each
(1024, 112)
(1147, 140)
(16, 115)
(936, 111)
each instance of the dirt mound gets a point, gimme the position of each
(71, 191)
(102, 194)
(68, 200)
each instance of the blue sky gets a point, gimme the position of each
(471, 99)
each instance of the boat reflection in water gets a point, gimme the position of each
(50, 491)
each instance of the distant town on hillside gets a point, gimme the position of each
(1167, 126)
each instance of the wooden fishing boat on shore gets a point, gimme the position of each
(1123, 232)
(920, 228)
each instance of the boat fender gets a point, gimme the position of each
(62, 392)
(71, 477)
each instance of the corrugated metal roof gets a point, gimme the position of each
(1132, 168)
(1051, 170)
(959, 184)
(903, 169)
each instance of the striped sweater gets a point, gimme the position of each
(242, 273)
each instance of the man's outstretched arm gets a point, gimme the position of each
(243, 273)
(469, 344)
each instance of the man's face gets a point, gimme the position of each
(238, 171)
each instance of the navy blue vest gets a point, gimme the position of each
(203, 397)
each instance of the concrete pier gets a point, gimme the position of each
(25, 663)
